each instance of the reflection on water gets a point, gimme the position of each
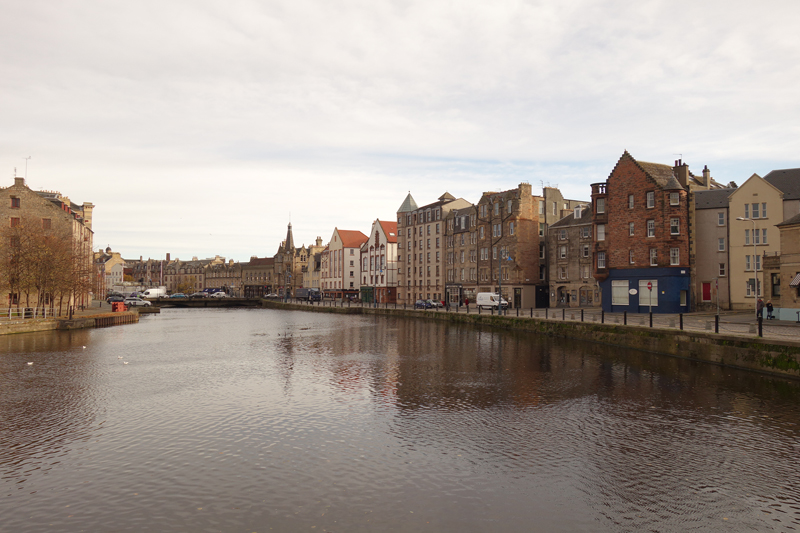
(251, 420)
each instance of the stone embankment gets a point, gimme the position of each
(78, 321)
(780, 357)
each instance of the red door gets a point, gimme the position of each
(706, 292)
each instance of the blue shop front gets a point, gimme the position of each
(638, 290)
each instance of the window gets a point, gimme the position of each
(653, 257)
(601, 205)
(562, 273)
(721, 218)
(630, 257)
(585, 271)
(747, 262)
(509, 206)
(651, 199)
(755, 210)
(764, 210)
(494, 252)
(756, 237)
(481, 232)
(497, 208)
(562, 252)
(541, 207)
(674, 226)
(751, 285)
(674, 256)
(722, 269)
(601, 232)
(747, 236)
(47, 223)
(630, 201)
(619, 292)
(721, 244)
(746, 210)
(511, 228)
(651, 228)
(555, 208)
(541, 229)
(648, 297)
(601, 259)
(764, 236)
(14, 222)
(674, 198)
(776, 285)
(758, 262)
(577, 212)
(586, 232)
(15, 202)
(562, 235)
(541, 251)
(630, 229)
(585, 250)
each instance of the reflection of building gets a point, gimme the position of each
(47, 213)
(569, 245)
(379, 264)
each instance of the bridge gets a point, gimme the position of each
(205, 302)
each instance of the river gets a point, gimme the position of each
(253, 420)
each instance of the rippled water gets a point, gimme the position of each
(261, 420)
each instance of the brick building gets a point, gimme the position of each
(641, 238)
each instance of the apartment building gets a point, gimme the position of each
(258, 277)
(226, 277)
(641, 238)
(711, 240)
(461, 255)
(109, 271)
(570, 261)
(420, 248)
(341, 264)
(379, 264)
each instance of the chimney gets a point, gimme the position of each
(682, 173)
(19, 182)
(706, 177)
(319, 241)
(167, 257)
(87, 214)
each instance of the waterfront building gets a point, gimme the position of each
(570, 260)
(641, 238)
(226, 277)
(188, 276)
(28, 215)
(148, 272)
(288, 265)
(420, 247)
(508, 237)
(109, 271)
(258, 277)
(341, 264)
(711, 239)
(310, 270)
(784, 285)
(379, 264)
(461, 255)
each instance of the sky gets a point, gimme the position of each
(201, 128)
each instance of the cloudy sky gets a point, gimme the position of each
(201, 127)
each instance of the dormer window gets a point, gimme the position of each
(577, 212)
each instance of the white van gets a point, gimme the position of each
(490, 300)
(160, 292)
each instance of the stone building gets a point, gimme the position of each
(784, 285)
(148, 272)
(379, 264)
(508, 252)
(49, 213)
(188, 276)
(641, 238)
(226, 277)
(258, 277)
(420, 248)
(461, 255)
(311, 269)
(570, 261)
(109, 271)
(341, 264)
(711, 241)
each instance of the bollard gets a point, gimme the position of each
(716, 323)
(531, 312)
(517, 311)
(651, 319)
(581, 315)
(603, 317)
(681, 321)
(492, 309)
(624, 318)
(563, 314)
(546, 309)
(760, 326)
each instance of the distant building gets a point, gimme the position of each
(341, 264)
(379, 264)
(109, 271)
(570, 261)
(258, 277)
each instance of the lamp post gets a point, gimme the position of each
(755, 265)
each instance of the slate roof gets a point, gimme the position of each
(712, 199)
(787, 181)
(570, 220)
(261, 261)
(790, 221)
(663, 175)
(408, 205)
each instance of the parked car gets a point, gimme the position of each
(219, 295)
(134, 302)
(115, 298)
(271, 295)
(422, 304)
(434, 303)
(178, 295)
(199, 295)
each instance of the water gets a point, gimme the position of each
(261, 420)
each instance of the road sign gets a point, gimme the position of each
(649, 286)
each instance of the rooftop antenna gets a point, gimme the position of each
(26, 167)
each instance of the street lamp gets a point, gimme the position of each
(755, 265)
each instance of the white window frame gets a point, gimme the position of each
(630, 201)
(601, 232)
(721, 244)
(674, 256)
(674, 226)
(721, 218)
(630, 229)
(601, 259)
(674, 198)
(653, 257)
(650, 199)
(651, 228)
(619, 292)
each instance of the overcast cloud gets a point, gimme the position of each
(202, 128)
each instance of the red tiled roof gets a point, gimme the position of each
(352, 238)
(390, 229)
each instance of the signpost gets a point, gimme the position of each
(650, 300)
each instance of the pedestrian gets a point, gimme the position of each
(760, 308)
(770, 308)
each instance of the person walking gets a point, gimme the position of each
(770, 308)
(760, 308)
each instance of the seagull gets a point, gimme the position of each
(119, 357)
(84, 347)
(124, 362)
(30, 363)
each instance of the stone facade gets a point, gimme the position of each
(226, 277)
(258, 277)
(711, 241)
(461, 255)
(109, 271)
(788, 279)
(570, 261)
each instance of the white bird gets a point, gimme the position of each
(30, 363)
(84, 347)
(124, 362)
(119, 357)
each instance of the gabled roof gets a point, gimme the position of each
(712, 198)
(790, 221)
(662, 175)
(351, 238)
(390, 230)
(408, 205)
(787, 181)
(446, 196)
(570, 220)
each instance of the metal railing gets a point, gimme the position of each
(26, 313)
